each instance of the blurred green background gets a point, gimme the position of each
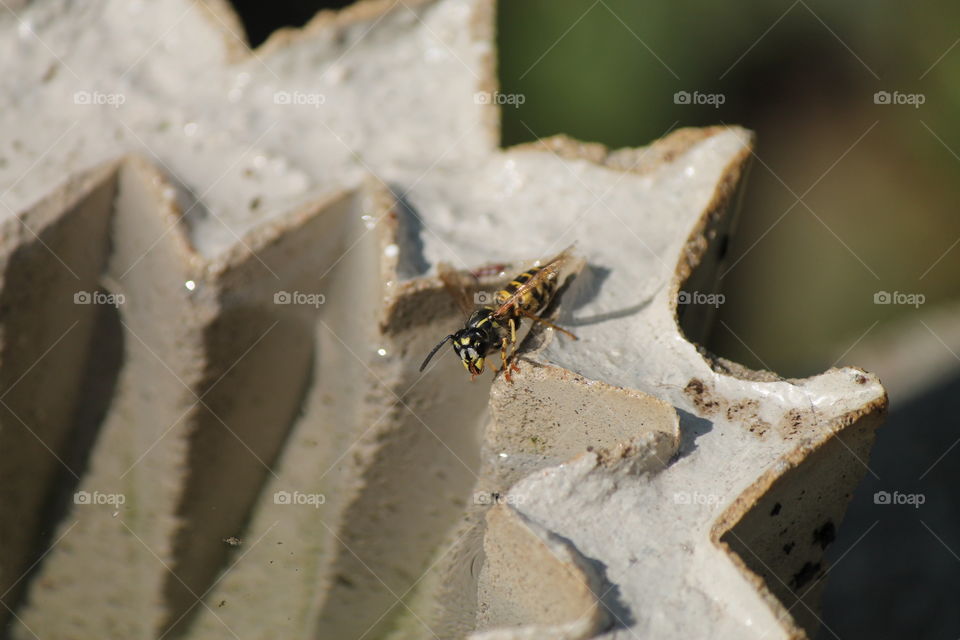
(846, 198)
(878, 181)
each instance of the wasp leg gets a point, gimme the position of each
(549, 324)
(506, 361)
(503, 360)
(514, 322)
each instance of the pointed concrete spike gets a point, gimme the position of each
(51, 256)
(181, 411)
(536, 579)
(121, 515)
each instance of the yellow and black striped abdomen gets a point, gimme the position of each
(535, 298)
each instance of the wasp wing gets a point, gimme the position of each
(548, 270)
(458, 285)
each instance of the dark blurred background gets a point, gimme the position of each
(850, 195)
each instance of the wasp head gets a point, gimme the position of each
(471, 345)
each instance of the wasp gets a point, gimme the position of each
(490, 327)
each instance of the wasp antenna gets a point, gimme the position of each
(566, 252)
(435, 349)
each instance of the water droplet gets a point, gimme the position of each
(435, 54)
(279, 165)
(689, 171)
(381, 351)
(504, 455)
(510, 177)
(336, 74)
(298, 182)
(391, 251)
(190, 285)
(240, 82)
